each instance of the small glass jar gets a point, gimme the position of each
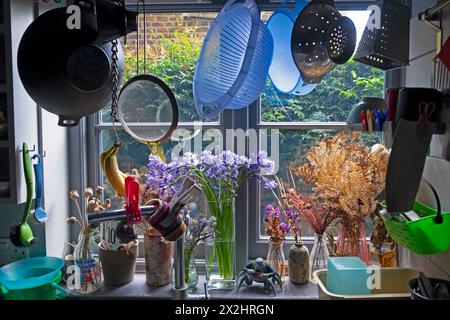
(191, 274)
(275, 257)
(87, 265)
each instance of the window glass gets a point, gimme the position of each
(334, 97)
(173, 42)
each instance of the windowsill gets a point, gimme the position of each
(138, 289)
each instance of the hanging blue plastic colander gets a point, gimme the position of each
(283, 71)
(234, 61)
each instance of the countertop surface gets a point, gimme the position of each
(138, 289)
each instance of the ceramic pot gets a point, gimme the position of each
(118, 266)
(298, 263)
(158, 261)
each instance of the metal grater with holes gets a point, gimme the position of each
(387, 47)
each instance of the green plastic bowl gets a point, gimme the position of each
(48, 291)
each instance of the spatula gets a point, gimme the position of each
(39, 214)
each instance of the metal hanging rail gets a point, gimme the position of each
(428, 14)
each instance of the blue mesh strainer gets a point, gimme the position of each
(234, 60)
(283, 71)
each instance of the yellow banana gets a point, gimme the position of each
(105, 155)
(111, 168)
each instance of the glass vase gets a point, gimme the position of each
(275, 257)
(221, 248)
(87, 265)
(319, 255)
(190, 273)
(352, 240)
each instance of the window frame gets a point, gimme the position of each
(249, 243)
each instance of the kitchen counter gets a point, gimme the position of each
(138, 289)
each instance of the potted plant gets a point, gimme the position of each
(119, 264)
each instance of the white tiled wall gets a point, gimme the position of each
(437, 170)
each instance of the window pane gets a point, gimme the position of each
(293, 146)
(134, 155)
(334, 97)
(173, 42)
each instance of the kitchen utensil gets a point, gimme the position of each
(147, 109)
(413, 102)
(440, 289)
(283, 72)
(146, 106)
(341, 40)
(425, 235)
(39, 213)
(30, 273)
(132, 209)
(234, 60)
(364, 121)
(369, 120)
(392, 100)
(385, 43)
(107, 18)
(21, 234)
(309, 36)
(65, 71)
(406, 164)
(366, 104)
(426, 285)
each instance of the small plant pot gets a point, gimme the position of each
(118, 266)
(158, 261)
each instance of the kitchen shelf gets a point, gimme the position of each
(4, 144)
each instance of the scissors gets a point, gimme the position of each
(426, 111)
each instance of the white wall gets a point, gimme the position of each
(437, 170)
(55, 233)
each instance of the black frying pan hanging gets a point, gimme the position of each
(65, 71)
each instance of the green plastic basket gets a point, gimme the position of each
(428, 235)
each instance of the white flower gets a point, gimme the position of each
(228, 157)
(208, 158)
(190, 158)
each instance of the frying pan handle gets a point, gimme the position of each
(66, 121)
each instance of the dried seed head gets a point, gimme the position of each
(88, 193)
(74, 195)
(92, 205)
(107, 203)
(72, 220)
(99, 191)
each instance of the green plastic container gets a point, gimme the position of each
(422, 236)
(49, 291)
